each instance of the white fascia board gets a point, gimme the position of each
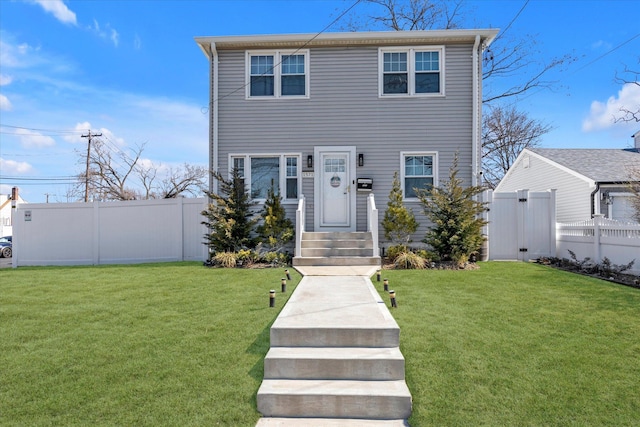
(204, 46)
(350, 38)
(527, 152)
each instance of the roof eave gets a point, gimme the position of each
(369, 38)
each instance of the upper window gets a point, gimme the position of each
(278, 74)
(418, 172)
(262, 172)
(411, 71)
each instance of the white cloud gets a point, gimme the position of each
(14, 55)
(31, 139)
(5, 80)
(115, 37)
(137, 42)
(601, 45)
(84, 128)
(5, 104)
(603, 114)
(11, 167)
(107, 33)
(58, 9)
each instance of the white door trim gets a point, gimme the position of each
(317, 187)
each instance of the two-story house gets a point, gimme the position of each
(332, 116)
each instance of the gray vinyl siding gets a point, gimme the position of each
(344, 109)
(573, 195)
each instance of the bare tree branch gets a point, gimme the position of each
(118, 175)
(506, 132)
(411, 15)
(189, 179)
(631, 113)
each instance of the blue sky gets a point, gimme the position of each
(131, 70)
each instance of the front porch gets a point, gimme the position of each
(338, 248)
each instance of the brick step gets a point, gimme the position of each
(344, 363)
(381, 400)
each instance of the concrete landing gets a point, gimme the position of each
(338, 270)
(328, 422)
(337, 311)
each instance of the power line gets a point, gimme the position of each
(512, 21)
(55, 131)
(585, 65)
(294, 52)
(606, 53)
(50, 178)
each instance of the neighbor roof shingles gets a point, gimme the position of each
(600, 165)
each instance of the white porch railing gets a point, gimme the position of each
(372, 223)
(300, 220)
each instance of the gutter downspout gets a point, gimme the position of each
(593, 199)
(477, 110)
(213, 117)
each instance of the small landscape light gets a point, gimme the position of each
(283, 282)
(392, 296)
(386, 284)
(272, 298)
(287, 273)
(378, 275)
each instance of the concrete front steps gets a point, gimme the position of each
(337, 249)
(334, 359)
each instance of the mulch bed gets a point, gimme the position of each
(619, 278)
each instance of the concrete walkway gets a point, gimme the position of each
(334, 357)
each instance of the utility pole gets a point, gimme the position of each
(86, 176)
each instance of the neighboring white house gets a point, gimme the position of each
(6, 225)
(588, 181)
(332, 116)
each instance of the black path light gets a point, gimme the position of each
(386, 285)
(392, 296)
(378, 273)
(287, 273)
(272, 298)
(283, 283)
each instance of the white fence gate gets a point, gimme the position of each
(522, 225)
(109, 233)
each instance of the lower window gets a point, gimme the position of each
(262, 172)
(418, 172)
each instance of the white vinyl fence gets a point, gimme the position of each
(109, 233)
(599, 238)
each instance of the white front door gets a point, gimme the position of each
(334, 188)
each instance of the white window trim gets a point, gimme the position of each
(403, 154)
(277, 74)
(410, 50)
(282, 175)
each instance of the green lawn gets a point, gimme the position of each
(161, 344)
(180, 344)
(516, 344)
